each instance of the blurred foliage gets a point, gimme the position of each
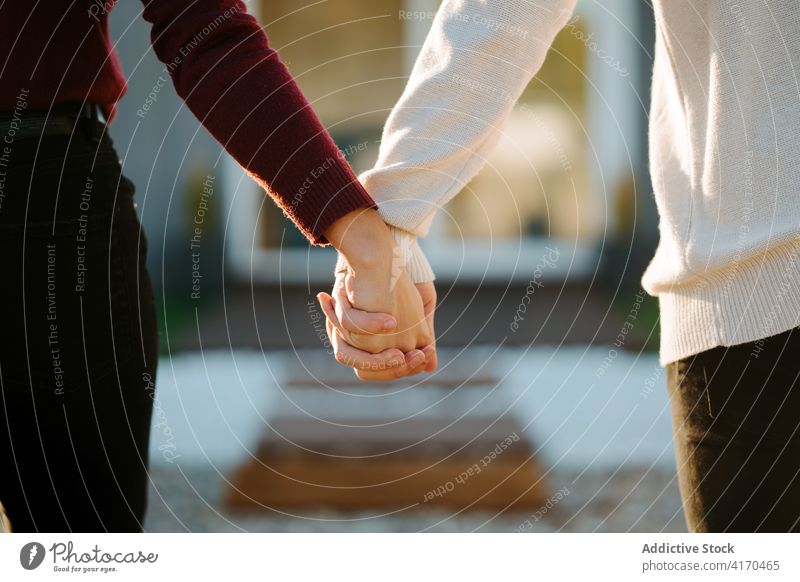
(176, 315)
(646, 331)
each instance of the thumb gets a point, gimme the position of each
(359, 321)
(366, 322)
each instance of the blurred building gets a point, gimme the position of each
(571, 172)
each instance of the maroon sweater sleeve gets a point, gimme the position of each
(224, 69)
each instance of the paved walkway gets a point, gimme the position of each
(600, 425)
(635, 499)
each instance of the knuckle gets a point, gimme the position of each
(405, 342)
(370, 344)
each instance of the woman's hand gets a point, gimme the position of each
(427, 293)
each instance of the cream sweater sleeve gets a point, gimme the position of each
(476, 61)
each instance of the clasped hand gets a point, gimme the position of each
(379, 322)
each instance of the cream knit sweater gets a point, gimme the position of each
(724, 150)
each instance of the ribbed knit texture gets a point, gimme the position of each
(414, 260)
(724, 149)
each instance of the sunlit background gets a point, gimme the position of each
(257, 428)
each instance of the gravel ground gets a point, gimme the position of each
(632, 499)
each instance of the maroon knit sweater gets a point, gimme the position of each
(222, 67)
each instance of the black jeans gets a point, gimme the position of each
(78, 338)
(736, 420)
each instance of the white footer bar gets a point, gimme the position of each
(406, 557)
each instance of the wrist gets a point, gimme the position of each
(410, 254)
(363, 240)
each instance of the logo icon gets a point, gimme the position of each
(31, 555)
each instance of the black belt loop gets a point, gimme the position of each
(94, 129)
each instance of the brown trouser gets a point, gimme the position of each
(736, 420)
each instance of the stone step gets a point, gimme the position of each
(474, 463)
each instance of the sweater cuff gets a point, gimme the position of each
(410, 253)
(334, 193)
(407, 249)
